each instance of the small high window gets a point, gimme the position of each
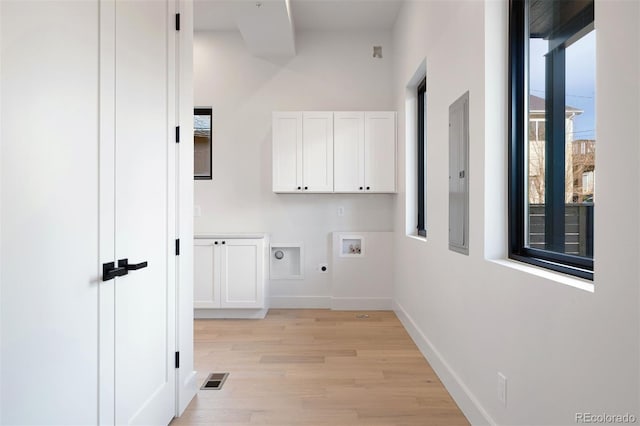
(202, 143)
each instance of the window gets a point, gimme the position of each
(421, 145)
(202, 143)
(552, 134)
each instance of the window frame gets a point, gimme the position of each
(209, 112)
(421, 157)
(577, 266)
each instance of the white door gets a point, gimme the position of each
(144, 299)
(206, 274)
(380, 151)
(287, 151)
(317, 151)
(85, 173)
(50, 275)
(242, 284)
(348, 148)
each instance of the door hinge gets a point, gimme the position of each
(177, 363)
(177, 22)
(177, 134)
(178, 247)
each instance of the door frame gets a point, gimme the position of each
(186, 386)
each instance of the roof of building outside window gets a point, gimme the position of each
(536, 104)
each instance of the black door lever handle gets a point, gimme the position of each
(109, 271)
(124, 263)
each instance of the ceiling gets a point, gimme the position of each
(314, 15)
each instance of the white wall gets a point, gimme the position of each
(331, 71)
(563, 349)
(363, 281)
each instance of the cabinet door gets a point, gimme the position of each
(206, 287)
(317, 151)
(242, 280)
(380, 151)
(287, 151)
(348, 146)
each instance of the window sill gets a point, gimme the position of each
(558, 277)
(418, 238)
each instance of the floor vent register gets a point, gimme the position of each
(214, 381)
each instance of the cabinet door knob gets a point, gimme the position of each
(368, 188)
(215, 242)
(361, 188)
(223, 242)
(299, 188)
(306, 187)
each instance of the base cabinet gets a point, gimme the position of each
(229, 273)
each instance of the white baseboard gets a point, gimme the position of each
(361, 303)
(467, 402)
(187, 392)
(229, 313)
(335, 303)
(300, 302)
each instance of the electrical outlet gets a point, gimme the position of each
(323, 268)
(340, 211)
(502, 389)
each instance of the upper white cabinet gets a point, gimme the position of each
(380, 151)
(365, 151)
(349, 151)
(287, 151)
(302, 152)
(317, 151)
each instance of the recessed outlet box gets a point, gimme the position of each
(502, 389)
(351, 246)
(286, 260)
(323, 268)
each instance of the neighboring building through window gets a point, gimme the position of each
(421, 155)
(552, 131)
(537, 148)
(202, 143)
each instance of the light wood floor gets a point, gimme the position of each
(316, 367)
